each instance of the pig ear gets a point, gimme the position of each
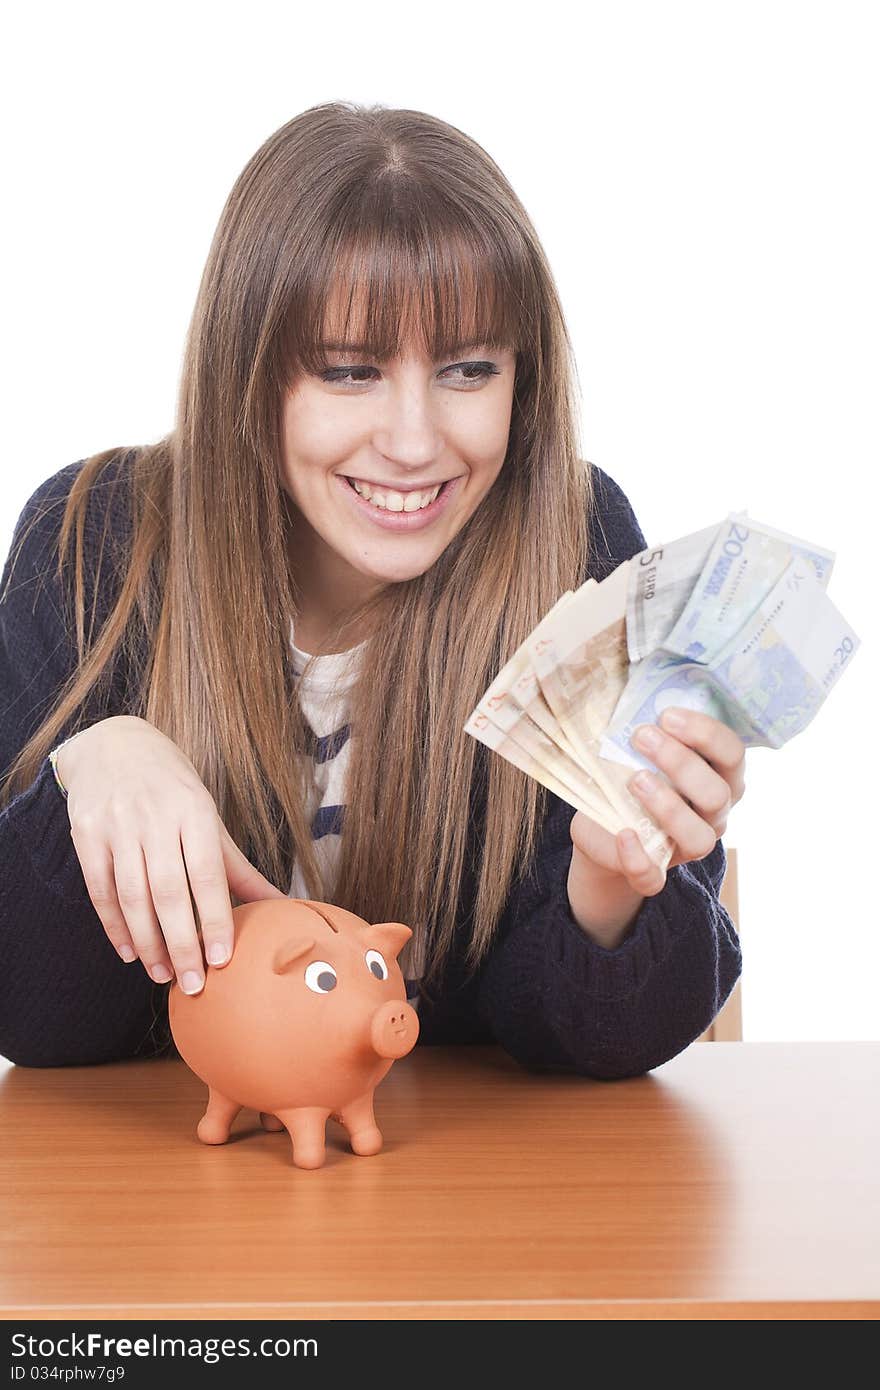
(392, 936)
(290, 951)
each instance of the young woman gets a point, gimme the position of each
(237, 663)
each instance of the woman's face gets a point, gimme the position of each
(398, 430)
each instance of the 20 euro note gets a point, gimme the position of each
(766, 681)
(685, 601)
(778, 670)
(746, 560)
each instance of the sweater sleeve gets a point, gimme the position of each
(550, 995)
(66, 999)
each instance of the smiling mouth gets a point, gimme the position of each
(425, 497)
(403, 488)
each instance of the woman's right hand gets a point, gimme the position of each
(141, 822)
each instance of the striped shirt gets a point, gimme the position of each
(324, 698)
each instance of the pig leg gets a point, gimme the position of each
(217, 1119)
(307, 1126)
(360, 1122)
(270, 1122)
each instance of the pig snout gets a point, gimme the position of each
(394, 1029)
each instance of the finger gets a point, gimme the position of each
(96, 862)
(206, 872)
(643, 875)
(720, 746)
(169, 889)
(694, 836)
(246, 882)
(133, 891)
(594, 841)
(688, 771)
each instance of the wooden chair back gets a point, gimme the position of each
(727, 1025)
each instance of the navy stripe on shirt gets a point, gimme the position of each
(328, 821)
(321, 750)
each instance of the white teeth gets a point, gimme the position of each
(395, 501)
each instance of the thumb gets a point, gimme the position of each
(245, 881)
(594, 842)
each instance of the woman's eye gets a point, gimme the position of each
(341, 373)
(481, 371)
(474, 373)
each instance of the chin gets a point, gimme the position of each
(397, 576)
(400, 573)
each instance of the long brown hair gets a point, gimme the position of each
(409, 219)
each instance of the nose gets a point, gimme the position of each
(407, 433)
(394, 1029)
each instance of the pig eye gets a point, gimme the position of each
(376, 963)
(320, 977)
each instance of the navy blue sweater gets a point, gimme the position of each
(546, 992)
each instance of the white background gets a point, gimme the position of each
(704, 178)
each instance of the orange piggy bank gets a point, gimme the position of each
(302, 1024)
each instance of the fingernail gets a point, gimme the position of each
(191, 982)
(217, 953)
(648, 737)
(644, 783)
(161, 974)
(127, 954)
(673, 720)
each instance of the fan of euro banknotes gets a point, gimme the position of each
(733, 620)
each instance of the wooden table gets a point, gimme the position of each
(740, 1180)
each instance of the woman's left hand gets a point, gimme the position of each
(705, 763)
(610, 875)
